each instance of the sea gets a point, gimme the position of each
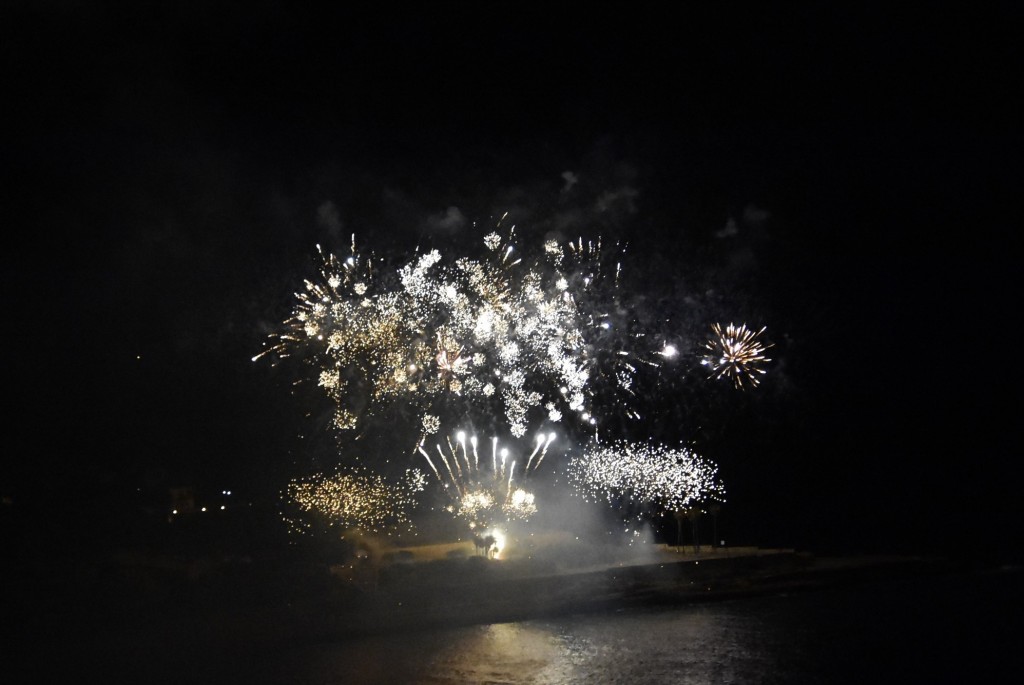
(957, 628)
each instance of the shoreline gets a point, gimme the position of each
(481, 595)
(664, 583)
(249, 612)
(430, 597)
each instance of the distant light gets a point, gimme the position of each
(174, 512)
(222, 507)
(606, 325)
(669, 351)
(203, 509)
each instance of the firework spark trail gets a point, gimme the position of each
(543, 442)
(448, 466)
(540, 441)
(461, 437)
(481, 499)
(427, 457)
(672, 478)
(455, 457)
(511, 473)
(544, 450)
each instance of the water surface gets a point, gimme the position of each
(934, 629)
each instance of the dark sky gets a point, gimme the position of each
(168, 172)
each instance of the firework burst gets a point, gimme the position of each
(543, 338)
(736, 353)
(352, 500)
(639, 475)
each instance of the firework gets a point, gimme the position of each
(509, 336)
(352, 500)
(644, 474)
(525, 339)
(736, 353)
(482, 496)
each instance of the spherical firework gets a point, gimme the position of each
(736, 353)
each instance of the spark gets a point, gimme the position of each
(514, 333)
(352, 499)
(646, 474)
(737, 354)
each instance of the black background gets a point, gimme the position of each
(167, 173)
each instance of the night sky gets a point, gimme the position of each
(844, 177)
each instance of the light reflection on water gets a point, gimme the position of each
(916, 630)
(694, 645)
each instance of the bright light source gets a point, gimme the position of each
(499, 542)
(669, 351)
